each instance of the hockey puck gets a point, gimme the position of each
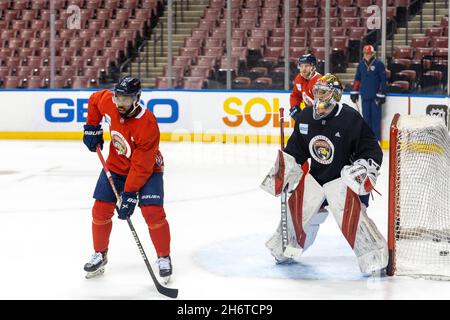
(443, 253)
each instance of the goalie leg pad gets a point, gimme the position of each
(285, 172)
(312, 228)
(303, 204)
(361, 233)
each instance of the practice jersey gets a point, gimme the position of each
(303, 87)
(332, 142)
(134, 147)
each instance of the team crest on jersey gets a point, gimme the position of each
(299, 86)
(321, 149)
(120, 143)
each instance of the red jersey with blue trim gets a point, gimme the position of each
(301, 88)
(134, 148)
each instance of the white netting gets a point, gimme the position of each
(422, 219)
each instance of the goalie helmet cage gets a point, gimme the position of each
(419, 193)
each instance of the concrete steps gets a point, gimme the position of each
(191, 17)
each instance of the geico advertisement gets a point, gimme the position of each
(66, 110)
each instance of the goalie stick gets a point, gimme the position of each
(169, 292)
(284, 231)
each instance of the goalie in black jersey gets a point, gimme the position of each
(345, 158)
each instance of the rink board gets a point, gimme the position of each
(188, 116)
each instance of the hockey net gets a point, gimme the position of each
(419, 198)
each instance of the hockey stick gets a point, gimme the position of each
(357, 106)
(169, 292)
(284, 232)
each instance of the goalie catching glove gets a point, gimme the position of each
(361, 176)
(285, 172)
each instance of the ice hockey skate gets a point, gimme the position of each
(165, 268)
(96, 266)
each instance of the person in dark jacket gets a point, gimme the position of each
(370, 83)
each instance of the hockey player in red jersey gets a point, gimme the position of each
(136, 166)
(302, 94)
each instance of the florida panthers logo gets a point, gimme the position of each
(321, 149)
(120, 144)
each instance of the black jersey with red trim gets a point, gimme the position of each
(333, 142)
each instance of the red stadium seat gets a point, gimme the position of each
(310, 13)
(199, 71)
(399, 87)
(194, 83)
(357, 33)
(276, 42)
(403, 52)
(35, 82)
(4, 71)
(80, 82)
(434, 32)
(11, 82)
(240, 52)
(420, 42)
(421, 52)
(162, 83)
(241, 83)
(439, 42)
(262, 83)
(298, 42)
(349, 12)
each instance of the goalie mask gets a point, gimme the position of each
(327, 93)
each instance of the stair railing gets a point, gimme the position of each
(421, 17)
(158, 38)
(175, 16)
(434, 10)
(138, 57)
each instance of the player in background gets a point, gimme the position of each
(136, 165)
(345, 160)
(370, 82)
(302, 94)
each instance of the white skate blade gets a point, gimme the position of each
(292, 252)
(96, 273)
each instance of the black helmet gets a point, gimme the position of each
(128, 86)
(307, 58)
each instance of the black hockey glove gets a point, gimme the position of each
(380, 99)
(354, 96)
(93, 135)
(294, 112)
(127, 205)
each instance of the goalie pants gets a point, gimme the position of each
(151, 198)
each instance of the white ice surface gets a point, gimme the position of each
(219, 221)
